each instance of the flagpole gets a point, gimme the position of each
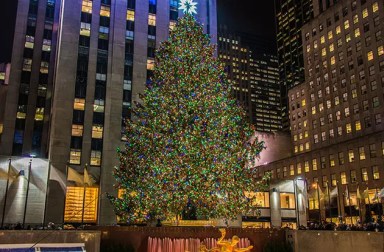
(297, 205)
(26, 195)
(338, 202)
(359, 200)
(318, 196)
(329, 203)
(369, 203)
(349, 202)
(84, 187)
(6, 193)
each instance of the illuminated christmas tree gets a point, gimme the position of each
(189, 142)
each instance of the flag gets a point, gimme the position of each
(88, 179)
(358, 194)
(74, 176)
(381, 193)
(334, 193)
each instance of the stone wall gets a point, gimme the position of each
(91, 239)
(345, 241)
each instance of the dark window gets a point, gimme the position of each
(98, 118)
(78, 117)
(104, 21)
(76, 142)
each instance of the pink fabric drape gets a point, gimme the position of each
(183, 245)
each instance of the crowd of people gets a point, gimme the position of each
(374, 226)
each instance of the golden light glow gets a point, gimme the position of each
(79, 209)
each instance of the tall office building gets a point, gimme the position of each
(253, 71)
(76, 68)
(291, 15)
(336, 115)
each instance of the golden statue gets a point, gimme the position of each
(226, 246)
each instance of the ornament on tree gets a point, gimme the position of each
(189, 142)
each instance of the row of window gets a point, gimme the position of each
(364, 14)
(361, 153)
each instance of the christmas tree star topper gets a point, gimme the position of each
(188, 6)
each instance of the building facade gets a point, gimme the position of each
(76, 68)
(291, 15)
(336, 114)
(254, 75)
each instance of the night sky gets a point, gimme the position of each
(256, 17)
(247, 16)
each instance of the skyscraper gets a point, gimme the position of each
(252, 68)
(336, 114)
(291, 15)
(99, 54)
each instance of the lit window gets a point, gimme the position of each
(39, 114)
(348, 38)
(361, 153)
(343, 178)
(79, 104)
(301, 147)
(95, 158)
(150, 64)
(346, 24)
(78, 209)
(333, 179)
(97, 132)
(330, 35)
(85, 29)
(299, 168)
(152, 19)
(47, 45)
(27, 64)
(172, 25)
(75, 156)
(365, 13)
(338, 29)
(313, 110)
(331, 48)
(98, 106)
(306, 166)
(44, 67)
(303, 103)
(77, 130)
(333, 60)
(323, 52)
(331, 160)
(296, 149)
(357, 32)
(322, 40)
(375, 172)
(358, 125)
(291, 170)
(348, 128)
(130, 15)
(351, 156)
(380, 50)
(355, 19)
(375, 7)
(29, 41)
(314, 164)
(364, 174)
(86, 6)
(105, 11)
(370, 55)
(287, 201)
